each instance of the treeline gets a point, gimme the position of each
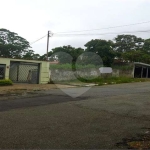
(124, 48)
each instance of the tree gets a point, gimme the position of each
(146, 46)
(30, 55)
(136, 56)
(102, 48)
(60, 52)
(12, 45)
(44, 57)
(126, 43)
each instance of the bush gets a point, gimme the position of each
(112, 80)
(72, 66)
(5, 82)
(123, 68)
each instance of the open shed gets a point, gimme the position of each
(24, 71)
(141, 70)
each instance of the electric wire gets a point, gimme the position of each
(94, 34)
(38, 39)
(61, 34)
(104, 28)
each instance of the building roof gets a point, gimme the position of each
(142, 64)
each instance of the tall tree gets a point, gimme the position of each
(12, 45)
(146, 46)
(126, 43)
(44, 57)
(136, 56)
(30, 55)
(71, 51)
(103, 48)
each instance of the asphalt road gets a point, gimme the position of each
(98, 119)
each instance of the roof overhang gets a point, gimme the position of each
(141, 64)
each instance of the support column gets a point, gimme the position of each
(147, 73)
(142, 73)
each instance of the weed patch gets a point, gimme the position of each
(5, 82)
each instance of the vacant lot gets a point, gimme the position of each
(100, 118)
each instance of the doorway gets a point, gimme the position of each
(2, 71)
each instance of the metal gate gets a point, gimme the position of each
(24, 72)
(2, 71)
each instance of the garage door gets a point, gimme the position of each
(24, 72)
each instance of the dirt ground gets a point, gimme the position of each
(31, 87)
(26, 90)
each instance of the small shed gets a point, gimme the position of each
(141, 70)
(24, 71)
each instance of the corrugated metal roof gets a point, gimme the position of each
(142, 64)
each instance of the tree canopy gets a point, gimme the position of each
(102, 48)
(126, 43)
(124, 48)
(12, 45)
(31, 55)
(72, 51)
(146, 46)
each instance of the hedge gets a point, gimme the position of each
(5, 82)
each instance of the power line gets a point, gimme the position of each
(65, 35)
(91, 34)
(104, 28)
(38, 39)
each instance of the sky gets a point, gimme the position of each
(32, 19)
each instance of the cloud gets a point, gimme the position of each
(32, 19)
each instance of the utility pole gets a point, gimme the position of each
(48, 35)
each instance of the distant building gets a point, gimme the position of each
(141, 70)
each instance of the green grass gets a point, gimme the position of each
(112, 80)
(5, 82)
(123, 68)
(104, 81)
(69, 66)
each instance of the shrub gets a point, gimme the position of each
(123, 68)
(72, 66)
(112, 80)
(5, 82)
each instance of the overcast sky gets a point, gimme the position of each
(31, 19)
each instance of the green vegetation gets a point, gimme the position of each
(122, 49)
(112, 80)
(69, 66)
(5, 82)
(14, 46)
(123, 68)
(103, 80)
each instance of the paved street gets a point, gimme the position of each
(100, 118)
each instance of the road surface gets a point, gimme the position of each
(98, 119)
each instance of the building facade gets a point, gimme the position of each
(24, 71)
